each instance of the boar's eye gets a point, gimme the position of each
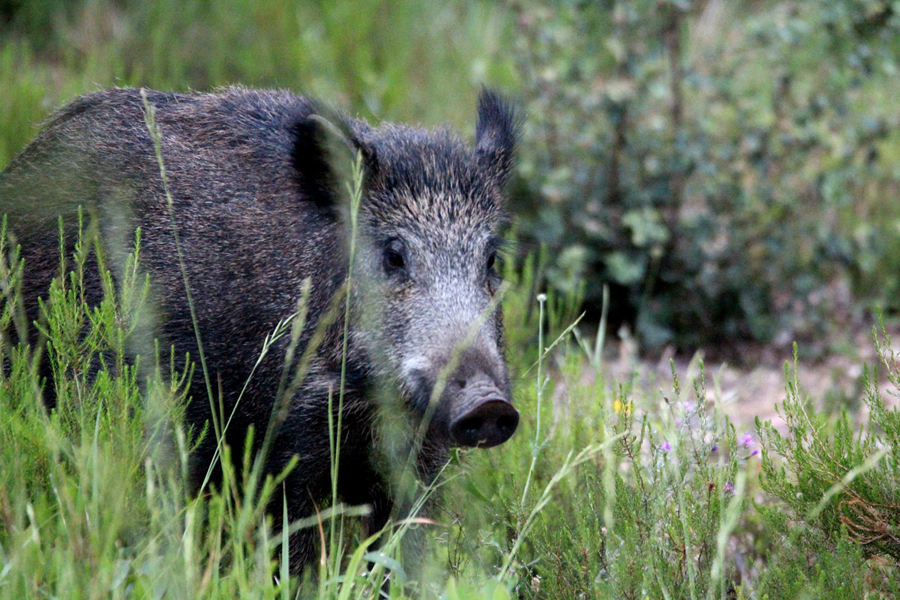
(394, 256)
(494, 251)
(492, 277)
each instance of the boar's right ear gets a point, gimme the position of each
(325, 149)
(496, 135)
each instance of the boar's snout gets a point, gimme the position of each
(488, 423)
(482, 416)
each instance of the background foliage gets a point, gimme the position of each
(726, 166)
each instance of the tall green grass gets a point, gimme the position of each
(611, 488)
(407, 61)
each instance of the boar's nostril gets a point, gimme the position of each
(487, 424)
(507, 424)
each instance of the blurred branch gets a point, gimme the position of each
(672, 40)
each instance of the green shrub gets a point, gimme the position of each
(837, 521)
(726, 167)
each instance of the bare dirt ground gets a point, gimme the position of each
(831, 382)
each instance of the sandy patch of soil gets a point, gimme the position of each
(832, 382)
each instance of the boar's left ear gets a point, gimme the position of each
(325, 150)
(496, 135)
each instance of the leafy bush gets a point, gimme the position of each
(725, 168)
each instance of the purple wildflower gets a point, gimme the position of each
(729, 489)
(665, 446)
(747, 440)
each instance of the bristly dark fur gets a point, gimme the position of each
(257, 190)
